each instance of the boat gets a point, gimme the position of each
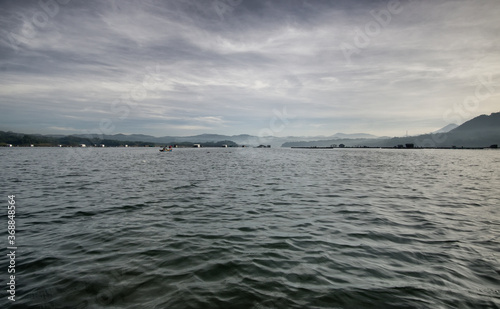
(165, 149)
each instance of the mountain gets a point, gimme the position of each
(482, 131)
(166, 140)
(137, 140)
(349, 142)
(481, 124)
(20, 139)
(445, 129)
(242, 139)
(353, 136)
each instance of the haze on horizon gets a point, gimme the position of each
(231, 67)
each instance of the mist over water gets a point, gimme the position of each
(254, 228)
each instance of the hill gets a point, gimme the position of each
(24, 140)
(481, 124)
(481, 131)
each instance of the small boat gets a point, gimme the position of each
(165, 149)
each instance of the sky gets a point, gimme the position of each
(282, 68)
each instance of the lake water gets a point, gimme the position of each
(253, 228)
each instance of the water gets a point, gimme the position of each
(253, 228)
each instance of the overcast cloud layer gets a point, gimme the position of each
(246, 66)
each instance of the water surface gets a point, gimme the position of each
(254, 228)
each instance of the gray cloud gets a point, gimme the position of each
(189, 67)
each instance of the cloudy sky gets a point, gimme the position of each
(280, 67)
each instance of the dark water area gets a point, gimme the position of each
(253, 228)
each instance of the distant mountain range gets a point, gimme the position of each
(20, 139)
(243, 139)
(142, 140)
(481, 131)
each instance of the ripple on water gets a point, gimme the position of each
(252, 228)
